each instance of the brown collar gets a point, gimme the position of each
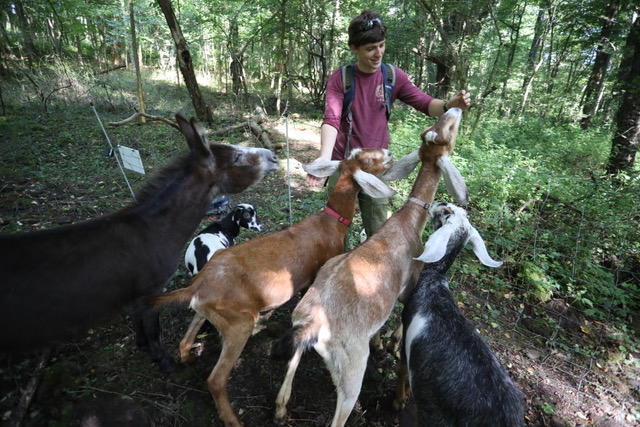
(337, 216)
(419, 202)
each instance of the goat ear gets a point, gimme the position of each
(196, 138)
(403, 167)
(436, 246)
(371, 185)
(480, 249)
(453, 180)
(321, 169)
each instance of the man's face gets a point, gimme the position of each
(369, 56)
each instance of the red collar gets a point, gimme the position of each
(337, 216)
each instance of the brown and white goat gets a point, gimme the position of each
(55, 284)
(354, 293)
(263, 273)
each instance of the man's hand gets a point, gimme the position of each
(460, 100)
(314, 181)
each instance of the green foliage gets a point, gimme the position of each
(538, 200)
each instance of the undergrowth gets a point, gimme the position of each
(537, 188)
(539, 196)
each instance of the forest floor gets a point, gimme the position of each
(105, 380)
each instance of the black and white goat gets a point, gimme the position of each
(220, 235)
(455, 378)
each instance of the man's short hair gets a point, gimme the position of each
(366, 28)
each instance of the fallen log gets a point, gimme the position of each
(147, 116)
(253, 124)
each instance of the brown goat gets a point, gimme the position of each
(263, 273)
(354, 293)
(56, 284)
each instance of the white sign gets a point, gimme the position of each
(131, 159)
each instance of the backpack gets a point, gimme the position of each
(348, 83)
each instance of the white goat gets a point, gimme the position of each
(264, 273)
(455, 378)
(354, 293)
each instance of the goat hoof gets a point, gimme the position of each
(279, 421)
(141, 341)
(189, 355)
(197, 349)
(399, 405)
(168, 365)
(188, 359)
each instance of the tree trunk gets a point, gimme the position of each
(595, 85)
(490, 86)
(624, 145)
(335, 15)
(281, 55)
(234, 46)
(25, 28)
(455, 28)
(536, 58)
(123, 10)
(78, 41)
(203, 111)
(538, 36)
(504, 107)
(136, 61)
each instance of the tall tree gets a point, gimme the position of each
(136, 60)
(456, 27)
(624, 145)
(237, 56)
(281, 54)
(25, 27)
(595, 85)
(536, 57)
(203, 111)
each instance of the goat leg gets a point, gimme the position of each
(376, 342)
(396, 340)
(235, 330)
(351, 364)
(403, 390)
(190, 337)
(285, 390)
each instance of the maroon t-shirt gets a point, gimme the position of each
(370, 128)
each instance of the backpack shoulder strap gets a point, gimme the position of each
(349, 85)
(391, 74)
(389, 78)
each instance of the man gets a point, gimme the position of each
(368, 125)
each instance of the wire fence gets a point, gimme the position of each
(568, 294)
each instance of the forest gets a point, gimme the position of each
(547, 150)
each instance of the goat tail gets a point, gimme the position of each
(300, 336)
(178, 297)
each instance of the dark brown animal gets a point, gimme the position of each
(56, 284)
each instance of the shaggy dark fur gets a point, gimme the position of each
(56, 284)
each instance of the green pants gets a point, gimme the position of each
(374, 211)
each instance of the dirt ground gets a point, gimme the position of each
(104, 380)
